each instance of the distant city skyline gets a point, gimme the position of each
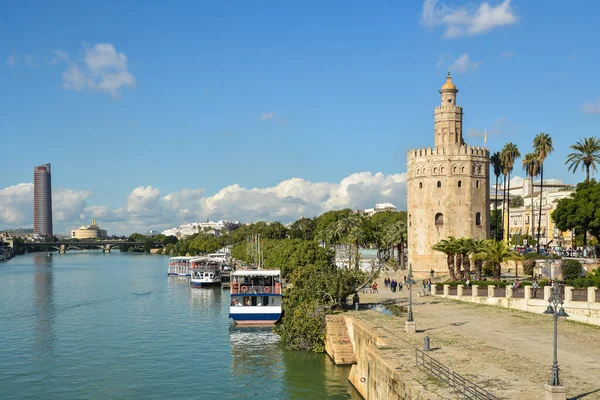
(219, 110)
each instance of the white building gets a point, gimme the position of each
(196, 227)
(379, 208)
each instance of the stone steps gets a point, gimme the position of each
(337, 342)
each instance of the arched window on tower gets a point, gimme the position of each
(439, 184)
(478, 219)
(477, 183)
(409, 220)
(454, 169)
(459, 183)
(435, 170)
(439, 219)
(420, 185)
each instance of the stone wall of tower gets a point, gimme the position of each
(448, 189)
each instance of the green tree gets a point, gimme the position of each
(495, 253)
(571, 270)
(496, 223)
(465, 249)
(350, 229)
(477, 246)
(510, 153)
(450, 248)
(304, 228)
(531, 165)
(517, 202)
(496, 161)
(397, 234)
(587, 154)
(580, 211)
(542, 144)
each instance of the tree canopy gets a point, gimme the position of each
(581, 211)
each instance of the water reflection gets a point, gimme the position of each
(256, 357)
(44, 302)
(205, 297)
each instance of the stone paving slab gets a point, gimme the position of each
(508, 352)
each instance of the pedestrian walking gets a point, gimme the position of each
(374, 287)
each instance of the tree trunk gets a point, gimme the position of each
(496, 211)
(401, 255)
(356, 255)
(503, 206)
(478, 268)
(539, 228)
(450, 260)
(587, 172)
(458, 266)
(498, 271)
(532, 208)
(466, 265)
(508, 210)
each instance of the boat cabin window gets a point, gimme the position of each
(265, 301)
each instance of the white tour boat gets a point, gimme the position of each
(179, 266)
(205, 272)
(255, 297)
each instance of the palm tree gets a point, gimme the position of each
(350, 228)
(496, 161)
(587, 154)
(495, 253)
(477, 248)
(448, 247)
(531, 165)
(465, 249)
(542, 144)
(396, 234)
(510, 153)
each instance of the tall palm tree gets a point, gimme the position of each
(495, 253)
(542, 145)
(448, 247)
(496, 161)
(396, 234)
(477, 248)
(531, 165)
(587, 154)
(510, 153)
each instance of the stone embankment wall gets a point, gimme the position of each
(375, 374)
(581, 311)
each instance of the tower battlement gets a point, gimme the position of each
(426, 152)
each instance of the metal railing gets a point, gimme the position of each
(466, 388)
(249, 289)
(519, 293)
(500, 292)
(580, 294)
(452, 290)
(467, 291)
(597, 296)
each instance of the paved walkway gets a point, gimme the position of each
(508, 352)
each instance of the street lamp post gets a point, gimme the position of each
(553, 309)
(410, 325)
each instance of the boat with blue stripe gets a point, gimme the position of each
(179, 266)
(255, 297)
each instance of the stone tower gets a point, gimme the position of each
(448, 187)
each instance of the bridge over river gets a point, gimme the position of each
(105, 245)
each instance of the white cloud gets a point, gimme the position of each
(267, 116)
(592, 107)
(464, 64)
(103, 69)
(11, 60)
(146, 208)
(467, 20)
(507, 54)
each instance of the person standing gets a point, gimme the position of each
(534, 287)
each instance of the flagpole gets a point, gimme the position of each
(484, 137)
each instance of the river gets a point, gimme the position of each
(114, 326)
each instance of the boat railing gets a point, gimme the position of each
(237, 288)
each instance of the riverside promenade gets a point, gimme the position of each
(505, 351)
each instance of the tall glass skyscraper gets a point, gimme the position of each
(42, 200)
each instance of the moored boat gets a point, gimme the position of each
(205, 272)
(255, 297)
(179, 266)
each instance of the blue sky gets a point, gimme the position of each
(201, 96)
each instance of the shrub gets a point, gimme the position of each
(487, 270)
(528, 266)
(571, 270)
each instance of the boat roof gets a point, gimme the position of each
(256, 272)
(181, 258)
(208, 259)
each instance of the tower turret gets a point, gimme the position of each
(448, 117)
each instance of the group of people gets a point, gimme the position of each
(392, 284)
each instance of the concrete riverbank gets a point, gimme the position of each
(507, 352)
